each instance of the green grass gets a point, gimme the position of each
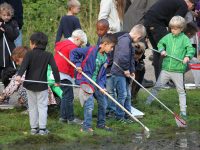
(14, 127)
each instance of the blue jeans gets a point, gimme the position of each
(89, 106)
(18, 41)
(123, 95)
(66, 105)
(111, 90)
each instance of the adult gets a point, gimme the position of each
(113, 11)
(18, 16)
(156, 21)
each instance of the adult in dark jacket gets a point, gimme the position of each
(156, 21)
(18, 16)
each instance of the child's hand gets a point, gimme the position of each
(186, 60)
(163, 53)
(127, 73)
(18, 79)
(56, 84)
(103, 91)
(79, 69)
(133, 75)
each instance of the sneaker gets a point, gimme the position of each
(129, 121)
(43, 132)
(75, 121)
(34, 131)
(121, 120)
(106, 128)
(147, 83)
(110, 114)
(183, 115)
(87, 130)
(62, 120)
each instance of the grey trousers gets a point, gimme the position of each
(38, 106)
(177, 78)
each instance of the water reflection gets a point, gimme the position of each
(181, 140)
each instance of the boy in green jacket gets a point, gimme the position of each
(178, 45)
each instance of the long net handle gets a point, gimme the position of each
(8, 49)
(145, 89)
(166, 55)
(118, 104)
(35, 81)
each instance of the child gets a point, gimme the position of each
(95, 68)
(69, 22)
(35, 65)
(102, 27)
(12, 86)
(9, 28)
(123, 56)
(139, 67)
(66, 72)
(178, 45)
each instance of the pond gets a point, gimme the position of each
(159, 140)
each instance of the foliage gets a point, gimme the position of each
(45, 15)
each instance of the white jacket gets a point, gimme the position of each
(108, 11)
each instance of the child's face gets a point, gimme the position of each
(137, 57)
(101, 29)
(107, 47)
(32, 46)
(5, 16)
(176, 31)
(19, 61)
(75, 10)
(137, 38)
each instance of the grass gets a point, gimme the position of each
(14, 127)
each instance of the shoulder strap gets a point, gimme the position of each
(87, 56)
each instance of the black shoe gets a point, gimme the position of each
(106, 128)
(147, 83)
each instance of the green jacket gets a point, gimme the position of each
(177, 46)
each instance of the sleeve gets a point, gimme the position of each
(104, 9)
(162, 44)
(132, 61)
(123, 55)
(190, 50)
(182, 10)
(77, 55)
(102, 81)
(54, 69)
(24, 64)
(60, 31)
(77, 24)
(11, 30)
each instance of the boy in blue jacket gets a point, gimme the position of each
(95, 68)
(123, 56)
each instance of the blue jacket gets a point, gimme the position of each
(79, 54)
(123, 56)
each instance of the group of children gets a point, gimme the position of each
(111, 64)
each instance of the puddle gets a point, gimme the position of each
(165, 140)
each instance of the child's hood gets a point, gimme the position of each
(65, 43)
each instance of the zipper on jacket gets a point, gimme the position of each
(173, 46)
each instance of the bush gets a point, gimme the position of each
(45, 15)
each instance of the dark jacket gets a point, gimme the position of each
(123, 55)
(67, 25)
(35, 64)
(163, 10)
(11, 33)
(79, 54)
(17, 6)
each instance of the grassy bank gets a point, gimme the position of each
(14, 127)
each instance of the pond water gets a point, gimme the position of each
(161, 140)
